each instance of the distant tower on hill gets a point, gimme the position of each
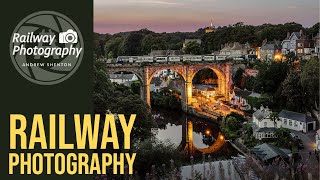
(210, 29)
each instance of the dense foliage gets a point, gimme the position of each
(120, 99)
(159, 154)
(283, 86)
(115, 98)
(143, 41)
(166, 98)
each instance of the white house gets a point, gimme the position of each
(318, 140)
(239, 98)
(289, 44)
(125, 79)
(262, 125)
(298, 43)
(296, 121)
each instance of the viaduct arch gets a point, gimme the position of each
(186, 71)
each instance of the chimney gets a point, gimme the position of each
(288, 35)
(301, 33)
(264, 41)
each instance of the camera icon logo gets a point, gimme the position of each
(70, 36)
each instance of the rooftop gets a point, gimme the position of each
(241, 93)
(266, 129)
(266, 152)
(295, 116)
(262, 113)
(121, 76)
(271, 45)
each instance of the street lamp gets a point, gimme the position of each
(208, 132)
(221, 137)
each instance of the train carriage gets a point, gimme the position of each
(174, 58)
(145, 59)
(209, 58)
(220, 57)
(122, 59)
(192, 58)
(161, 59)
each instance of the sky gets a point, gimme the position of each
(113, 16)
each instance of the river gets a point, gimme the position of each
(176, 127)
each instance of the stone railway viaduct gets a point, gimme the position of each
(186, 71)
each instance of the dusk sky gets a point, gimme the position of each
(112, 16)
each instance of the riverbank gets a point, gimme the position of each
(203, 115)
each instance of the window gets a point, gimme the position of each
(265, 124)
(299, 44)
(285, 121)
(290, 123)
(300, 51)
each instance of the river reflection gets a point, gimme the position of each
(191, 134)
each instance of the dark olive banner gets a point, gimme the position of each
(46, 75)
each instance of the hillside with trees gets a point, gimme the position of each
(142, 42)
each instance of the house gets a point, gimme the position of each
(122, 78)
(186, 41)
(270, 51)
(316, 40)
(296, 121)
(167, 73)
(158, 83)
(267, 153)
(299, 44)
(236, 49)
(318, 140)
(251, 72)
(262, 125)
(239, 98)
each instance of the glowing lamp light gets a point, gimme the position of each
(207, 132)
(278, 57)
(221, 137)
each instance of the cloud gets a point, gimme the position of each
(158, 2)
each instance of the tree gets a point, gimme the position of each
(153, 152)
(232, 123)
(310, 82)
(270, 77)
(274, 117)
(135, 87)
(239, 117)
(147, 44)
(291, 56)
(249, 83)
(120, 99)
(292, 91)
(132, 44)
(238, 76)
(203, 75)
(283, 137)
(192, 47)
(112, 47)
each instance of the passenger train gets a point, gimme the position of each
(182, 58)
(167, 59)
